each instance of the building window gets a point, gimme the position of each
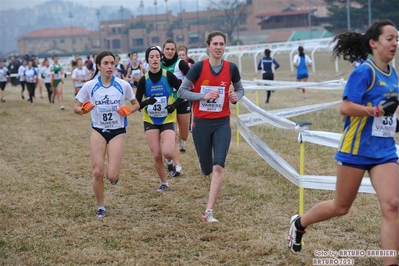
(96, 43)
(138, 42)
(62, 42)
(113, 30)
(180, 38)
(193, 38)
(45, 43)
(119, 30)
(73, 41)
(116, 44)
(30, 44)
(155, 39)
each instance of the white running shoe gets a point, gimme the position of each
(181, 143)
(179, 170)
(295, 236)
(208, 217)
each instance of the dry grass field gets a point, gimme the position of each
(47, 207)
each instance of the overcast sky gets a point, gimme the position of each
(8, 4)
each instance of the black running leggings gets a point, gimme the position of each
(212, 141)
(22, 85)
(49, 91)
(31, 89)
(268, 76)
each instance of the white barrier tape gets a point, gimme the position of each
(270, 156)
(16, 75)
(286, 170)
(266, 116)
(283, 85)
(254, 118)
(323, 138)
(295, 111)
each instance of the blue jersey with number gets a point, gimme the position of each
(368, 85)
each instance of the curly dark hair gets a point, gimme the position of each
(353, 45)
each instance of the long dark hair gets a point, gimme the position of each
(353, 45)
(99, 57)
(301, 52)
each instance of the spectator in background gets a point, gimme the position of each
(57, 81)
(79, 75)
(39, 82)
(134, 71)
(302, 62)
(88, 63)
(13, 68)
(3, 80)
(22, 81)
(30, 77)
(119, 70)
(46, 76)
(266, 65)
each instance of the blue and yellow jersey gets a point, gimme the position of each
(156, 113)
(367, 85)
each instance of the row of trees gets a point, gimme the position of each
(237, 10)
(359, 16)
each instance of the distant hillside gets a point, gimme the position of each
(15, 23)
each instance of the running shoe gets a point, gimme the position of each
(3, 100)
(23, 97)
(62, 107)
(162, 188)
(295, 236)
(100, 213)
(171, 169)
(114, 182)
(208, 217)
(181, 143)
(179, 170)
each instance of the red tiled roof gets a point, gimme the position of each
(54, 32)
(285, 13)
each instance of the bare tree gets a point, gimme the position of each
(230, 14)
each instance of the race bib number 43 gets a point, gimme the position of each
(158, 108)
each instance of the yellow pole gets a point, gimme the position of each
(301, 172)
(238, 133)
(257, 98)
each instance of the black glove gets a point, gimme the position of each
(55, 71)
(389, 107)
(171, 108)
(397, 126)
(150, 100)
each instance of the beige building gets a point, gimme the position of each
(61, 41)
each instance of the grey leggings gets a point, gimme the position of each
(211, 135)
